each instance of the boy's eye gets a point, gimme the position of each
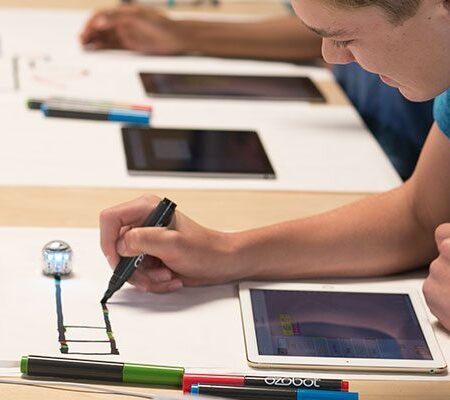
(341, 44)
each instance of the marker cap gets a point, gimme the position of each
(130, 116)
(305, 394)
(153, 375)
(34, 104)
(24, 365)
(194, 389)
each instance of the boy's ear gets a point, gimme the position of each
(446, 4)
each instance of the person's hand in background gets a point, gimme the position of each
(132, 27)
(185, 254)
(145, 30)
(437, 286)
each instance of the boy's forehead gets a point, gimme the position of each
(331, 21)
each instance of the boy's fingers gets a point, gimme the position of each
(113, 219)
(155, 241)
(442, 232)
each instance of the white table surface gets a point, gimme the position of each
(312, 147)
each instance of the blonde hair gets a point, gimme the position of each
(396, 10)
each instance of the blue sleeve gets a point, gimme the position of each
(441, 112)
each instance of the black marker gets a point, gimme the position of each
(161, 216)
(72, 368)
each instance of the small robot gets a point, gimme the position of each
(57, 258)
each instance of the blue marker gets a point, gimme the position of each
(269, 393)
(96, 113)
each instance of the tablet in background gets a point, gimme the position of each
(333, 326)
(195, 152)
(231, 87)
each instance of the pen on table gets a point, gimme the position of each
(161, 216)
(71, 368)
(99, 103)
(264, 381)
(36, 103)
(96, 113)
(262, 393)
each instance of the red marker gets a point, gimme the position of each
(265, 381)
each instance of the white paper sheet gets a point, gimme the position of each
(198, 328)
(166, 329)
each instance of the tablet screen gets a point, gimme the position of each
(232, 86)
(195, 151)
(337, 324)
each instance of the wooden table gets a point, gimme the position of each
(79, 207)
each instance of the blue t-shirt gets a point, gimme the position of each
(399, 125)
(442, 112)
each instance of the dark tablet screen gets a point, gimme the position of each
(189, 151)
(232, 86)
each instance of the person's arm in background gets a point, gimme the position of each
(142, 29)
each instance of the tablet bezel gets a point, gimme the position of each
(436, 365)
(152, 91)
(127, 130)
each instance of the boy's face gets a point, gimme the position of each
(412, 56)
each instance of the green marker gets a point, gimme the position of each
(71, 368)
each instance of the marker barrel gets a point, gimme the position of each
(153, 375)
(263, 393)
(97, 114)
(95, 103)
(265, 381)
(297, 383)
(70, 368)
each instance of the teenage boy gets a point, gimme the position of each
(408, 44)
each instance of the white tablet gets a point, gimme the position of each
(292, 325)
